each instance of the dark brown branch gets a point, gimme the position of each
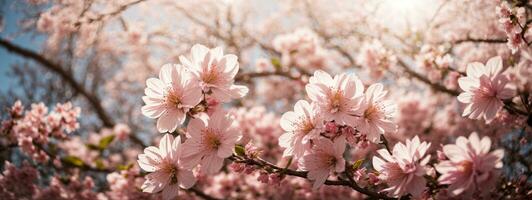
(200, 193)
(244, 77)
(480, 40)
(93, 100)
(303, 174)
(425, 80)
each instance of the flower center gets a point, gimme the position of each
(169, 168)
(371, 112)
(331, 161)
(211, 76)
(485, 92)
(173, 99)
(211, 140)
(336, 102)
(306, 126)
(465, 167)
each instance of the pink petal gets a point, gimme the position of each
(155, 182)
(169, 121)
(211, 164)
(195, 127)
(186, 179)
(153, 110)
(170, 192)
(165, 145)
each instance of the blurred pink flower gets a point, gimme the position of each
(403, 170)
(324, 157)
(470, 164)
(210, 143)
(216, 72)
(300, 125)
(338, 98)
(164, 163)
(377, 114)
(170, 96)
(484, 89)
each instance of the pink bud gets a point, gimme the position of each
(331, 127)
(237, 167)
(249, 169)
(263, 177)
(275, 178)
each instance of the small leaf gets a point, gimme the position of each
(104, 142)
(93, 146)
(357, 164)
(73, 160)
(99, 164)
(276, 63)
(124, 167)
(240, 150)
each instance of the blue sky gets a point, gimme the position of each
(10, 20)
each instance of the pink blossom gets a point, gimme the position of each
(301, 125)
(403, 170)
(170, 96)
(210, 142)
(216, 72)
(484, 89)
(324, 157)
(122, 131)
(471, 165)
(165, 164)
(377, 114)
(376, 58)
(338, 98)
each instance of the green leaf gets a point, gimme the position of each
(73, 160)
(104, 142)
(357, 164)
(93, 147)
(276, 63)
(124, 167)
(240, 150)
(99, 164)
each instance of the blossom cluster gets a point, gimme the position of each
(512, 21)
(302, 49)
(33, 129)
(339, 112)
(190, 93)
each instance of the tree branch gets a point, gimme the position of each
(247, 76)
(508, 105)
(303, 174)
(425, 80)
(480, 40)
(93, 100)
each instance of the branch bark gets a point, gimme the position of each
(303, 174)
(92, 99)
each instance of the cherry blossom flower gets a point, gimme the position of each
(216, 72)
(210, 142)
(375, 58)
(325, 157)
(338, 98)
(165, 164)
(471, 165)
(377, 114)
(170, 96)
(403, 170)
(300, 125)
(484, 89)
